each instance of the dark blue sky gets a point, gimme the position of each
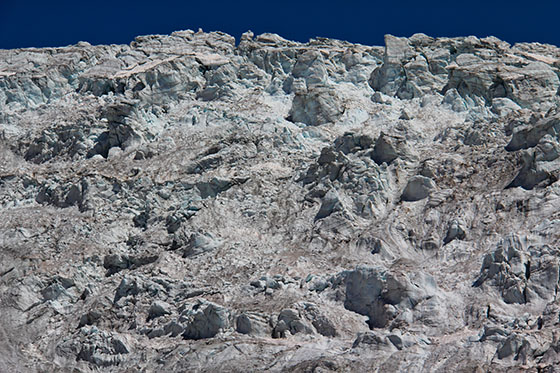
(62, 22)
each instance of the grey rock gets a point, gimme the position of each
(213, 187)
(330, 204)
(430, 243)
(128, 286)
(454, 100)
(89, 318)
(418, 188)
(375, 293)
(115, 262)
(380, 98)
(532, 174)
(539, 164)
(455, 231)
(405, 115)
(530, 135)
(510, 346)
(310, 66)
(387, 149)
(495, 334)
(320, 322)
(397, 341)
(271, 283)
(195, 243)
(253, 324)
(173, 329)
(370, 339)
(349, 143)
(101, 348)
(155, 333)
(289, 320)
(476, 77)
(503, 106)
(316, 106)
(204, 320)
(511, 268)
(61, 195)
(141, 220)
(389, 78)
(272, 178)
(158, 309)
(53, 291)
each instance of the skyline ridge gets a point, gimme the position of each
(37, 24)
